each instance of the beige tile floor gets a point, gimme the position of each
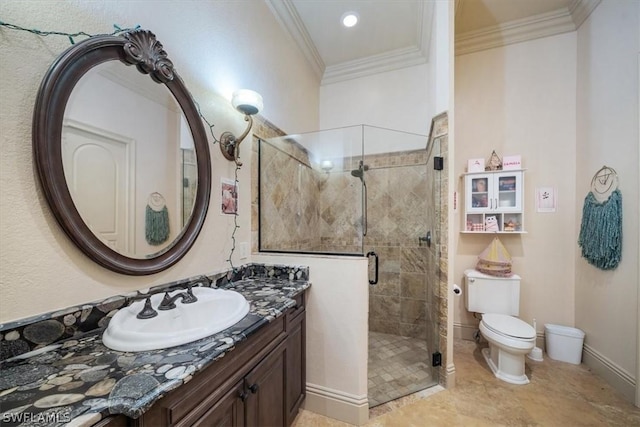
(397, 367)
(560, 394)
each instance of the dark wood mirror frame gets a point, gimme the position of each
(139, 48)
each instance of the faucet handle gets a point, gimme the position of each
(189, 297)
(147, 312)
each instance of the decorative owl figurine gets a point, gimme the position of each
(491, 224)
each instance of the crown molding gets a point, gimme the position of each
(288, 18)
(563, 20)
(388, 61)
(581, 9)
(519, 30)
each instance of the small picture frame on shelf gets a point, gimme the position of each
(475, 165)
(495, 163)
(511, 162)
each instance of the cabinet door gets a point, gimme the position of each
(227, 412)
(477, 189)
(265, 405)
(296, 380)
(507, 191)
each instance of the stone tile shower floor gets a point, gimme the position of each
(398, 366)
(560, 394)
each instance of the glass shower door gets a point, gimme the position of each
(403, 229)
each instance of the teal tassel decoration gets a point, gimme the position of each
(601, 231)
(156, 226)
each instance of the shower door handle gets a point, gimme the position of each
(426, 238)
(375, 277)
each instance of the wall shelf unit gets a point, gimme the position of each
(493, 194)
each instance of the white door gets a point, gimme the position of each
(98, 168)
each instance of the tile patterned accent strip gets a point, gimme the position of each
(79, 378)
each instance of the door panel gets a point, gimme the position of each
(98, 171)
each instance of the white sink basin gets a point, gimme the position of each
(215, 310)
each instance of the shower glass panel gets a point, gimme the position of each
(309, 200)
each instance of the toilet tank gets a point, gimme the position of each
(490, 294)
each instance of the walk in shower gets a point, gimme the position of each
(359, 190)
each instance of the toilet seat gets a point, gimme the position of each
(508, 326)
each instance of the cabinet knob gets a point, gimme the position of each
(243, 395)
(254, 388)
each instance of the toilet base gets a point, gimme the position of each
(505, 366)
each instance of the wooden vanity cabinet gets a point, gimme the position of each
(260, 383)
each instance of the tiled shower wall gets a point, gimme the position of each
(340, 205)
(290, 191)
(325, 211)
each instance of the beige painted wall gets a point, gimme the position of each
(216, 47)
(397, 99)
(520, 99)
(607, 122)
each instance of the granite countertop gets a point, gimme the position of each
(79, 381)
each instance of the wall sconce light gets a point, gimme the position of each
(326, 165)
(248, 103)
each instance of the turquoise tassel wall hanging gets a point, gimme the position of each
(601, 229)
(156, 220)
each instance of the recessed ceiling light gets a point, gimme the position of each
(349, 19)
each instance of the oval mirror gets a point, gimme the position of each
(121, 153)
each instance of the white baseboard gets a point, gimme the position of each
(613, 374)
(450, 380)
(335, 404)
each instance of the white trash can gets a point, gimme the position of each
(564, 343)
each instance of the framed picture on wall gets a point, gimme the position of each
(229, 196)
(546, 199)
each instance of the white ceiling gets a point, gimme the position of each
(383, 26)
(392, 34)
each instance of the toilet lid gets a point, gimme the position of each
(508, 325)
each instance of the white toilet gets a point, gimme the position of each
(510, 339)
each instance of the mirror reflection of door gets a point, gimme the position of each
(125, 104)
(99, 169)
